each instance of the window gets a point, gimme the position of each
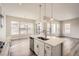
(39, 28)
(26, 28)
(22, 28)
(14, 27)
(53, 28)
(67, 28)
(48, 28)
(30, 28)
(57, 28)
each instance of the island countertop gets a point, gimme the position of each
(52, 40)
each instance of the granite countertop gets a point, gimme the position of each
(52, 40)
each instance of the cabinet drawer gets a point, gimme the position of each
(48, 50)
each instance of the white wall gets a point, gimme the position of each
(3, 29)
(74, 28)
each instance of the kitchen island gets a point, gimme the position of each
(52, 46)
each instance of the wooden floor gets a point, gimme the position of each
(22, 47)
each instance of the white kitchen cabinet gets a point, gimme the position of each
(47, 50)
(44, 49)
(39, 47)
(36, 46)
(56, 50)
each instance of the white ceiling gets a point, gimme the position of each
(31, 11)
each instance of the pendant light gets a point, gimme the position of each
(45, 18)
(51, 12)
(40, 11)
(45, 10)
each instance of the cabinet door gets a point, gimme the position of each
(36, 46)
(47, 50)
(41, 48)
(56, 50)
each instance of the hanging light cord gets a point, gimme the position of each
(51, 10)
(40, 10)
(45, 10)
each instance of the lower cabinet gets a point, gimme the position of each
(39, 47)
(44, 49)
(56, 50)
(36, 47)
(48, 50)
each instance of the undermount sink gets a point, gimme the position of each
(31, 37)
(42, 38)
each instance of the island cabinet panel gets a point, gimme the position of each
(48, 50)
(56, 50)
(44, 49)
(36, 47)
(39, 47)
